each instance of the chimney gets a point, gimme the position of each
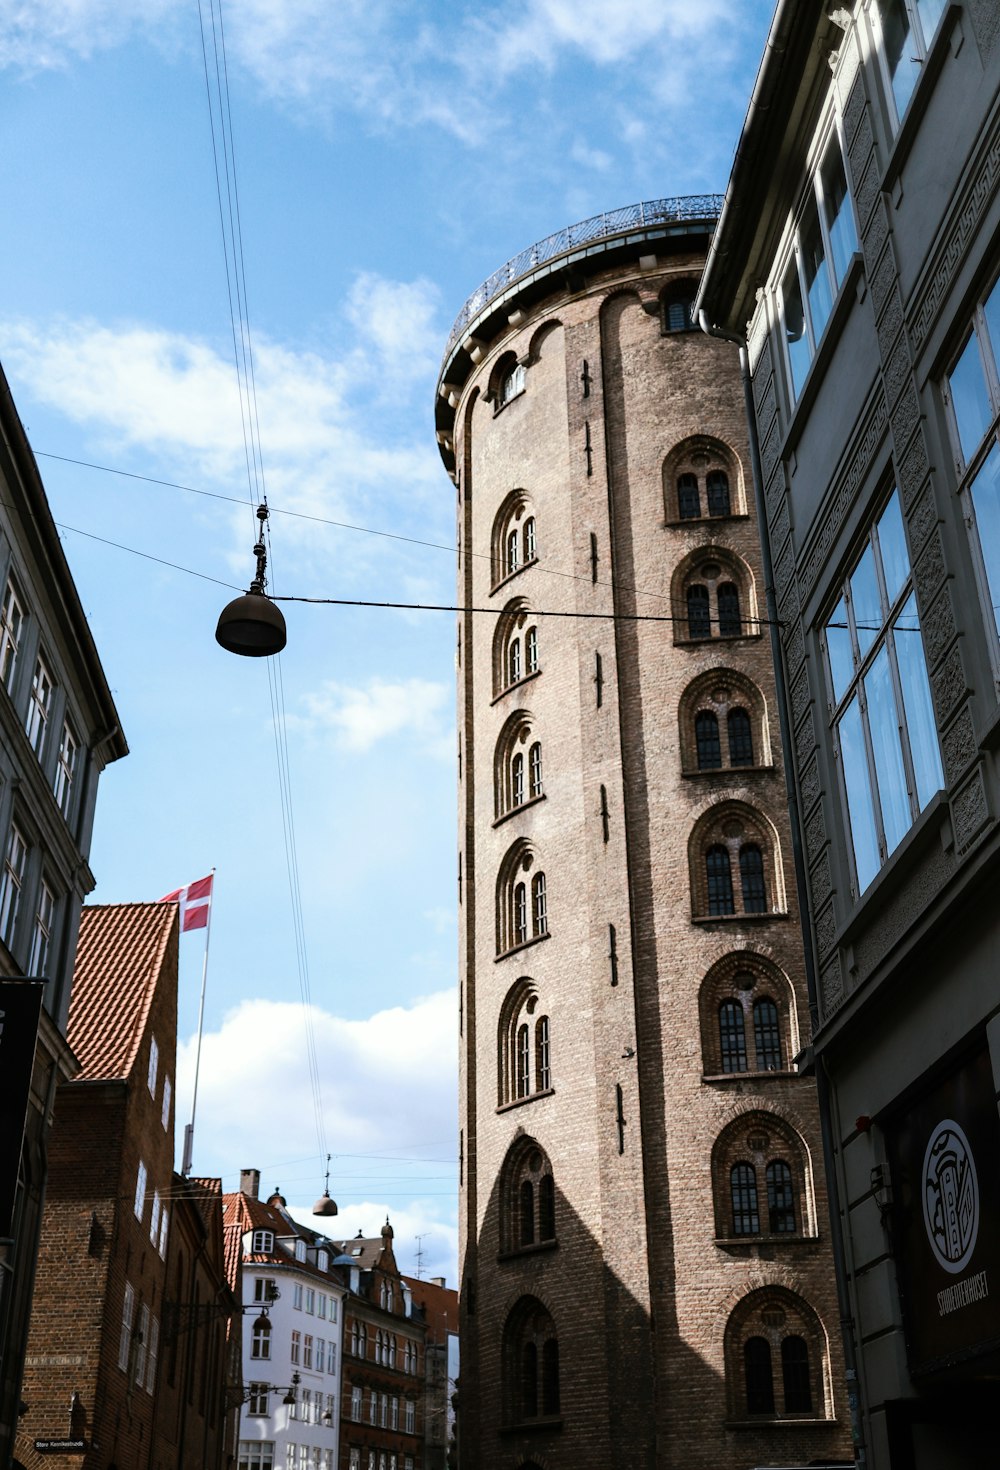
(437, 1281)
(250, 1182)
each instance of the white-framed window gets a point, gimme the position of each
(321, 1305)
(883, 717)
(256, 1455)
(154, 1217)
(331, 1356)
(322, 1263)
(904, 30)
(265, 1289)
(307, 1350)
(154, 1063)
(125, 1340)
(258, 1400)
(333, 1309)
(971, 391)
(320, 1354)
(260, 1339)
(152, 1354)
(310, 1301)
(41, 933)
(297, 1297)
(11, 628)
(141, 1340)
(409, 1416)
(69, 751)
(164, 1231)
(373, 1407)
(383, 1410)
(394, 1413)
(354, 1460)
(39, 706)
(296, 1346)
(407, 1462)
(823, 240)
(262, 1242)
(165, 1110)
(356, 1403)
(11, 883)
(512, 383)
(300, 1250)
(139, 1203)
(307, 1405)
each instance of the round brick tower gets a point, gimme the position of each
(646, 1275)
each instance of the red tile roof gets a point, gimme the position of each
(119, 955)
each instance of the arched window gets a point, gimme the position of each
(688, 497)
(743, 1193)
(755, 1152)
(515, 647)
(512, 383)
(517, 780)
(528, 1202)
(752, 879)
(759, 1376)
(524, 1055)
(535, 770)
(747, 1010)
(514, 543)
(723, 700)
(740, 733)
(720, 881)
(730, 625)
(732, 1037)
(530, 1358)
(260, 1338)
(699, 618)
(775, 1326)
(780, 1199)
(767, 1035)
(702, 477)
(522, 907)
(717, 482)
(712, 596)
(735, 837)
(706, 733)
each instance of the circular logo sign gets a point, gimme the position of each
(951, 1196)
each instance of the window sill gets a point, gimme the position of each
(778, 1074)
(729, 771)
(727, 1242)
(520, 683)
(511, 575)
(781, 1421)
(519, 1102)
(537, 1248)
(515, 810)
(526, 1426)
(910, 122)
(499, 407)
(682, 642)
(736, 918)
(675, 523)
(898, 868)
(815, 377)
(518, 948)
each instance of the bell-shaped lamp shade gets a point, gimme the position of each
(251, 625)
(325, 1205)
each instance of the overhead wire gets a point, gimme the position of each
(236, 286)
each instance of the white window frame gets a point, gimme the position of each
(12, 618)
(918, 43)
(125, 1340)
(167, 1095)
(69, 754)
(164, 1231)
(141, 1340)
(154, 1218)
(152, 1354)
(141, 1180)
(262, 1242)
(41, 934)
(39, 706)
(256, 1455)
(12, 883)
(257, 1403)
(154, 1066)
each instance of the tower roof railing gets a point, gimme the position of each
(599, 227)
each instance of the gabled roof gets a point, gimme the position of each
(242, 1213)
(119, 956)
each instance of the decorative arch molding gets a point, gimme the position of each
(515, 647)
(713, 703)
(765, 1381)
(762, 1179)
(530, 1364)
(749, 1017)
(692, 489)
(538, 339)
(524, 1066)
(517, 765)
(734, 861)
(713, 597)
(527, 1198)
(513, 541)
(521, 899)
(507, 380)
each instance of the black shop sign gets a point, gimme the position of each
(944, 1154)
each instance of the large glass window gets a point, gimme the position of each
(972, 391)
(11, 626)
(824, 239)
(884, 720)
(11, 882)
(907, 28)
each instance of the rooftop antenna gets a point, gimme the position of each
(420, 1255)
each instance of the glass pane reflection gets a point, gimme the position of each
(917, 707)
(883, 724)
(986, 503)
(838, 646)
(892, 545)
(866, 602)
(969, 398)
(859, 795)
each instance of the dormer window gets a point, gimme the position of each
(263, 1242)
(300, 1250)
(322, 1260)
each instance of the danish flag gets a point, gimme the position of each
(195, 901)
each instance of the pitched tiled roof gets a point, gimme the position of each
(362, 1250)
(119, 954)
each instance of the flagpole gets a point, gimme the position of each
(189, 1128)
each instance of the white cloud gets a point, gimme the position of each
(38, 37)
(361, 717)
(541, 31)
(419, 1225)
(596, 158)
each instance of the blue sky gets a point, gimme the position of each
(390, 156)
